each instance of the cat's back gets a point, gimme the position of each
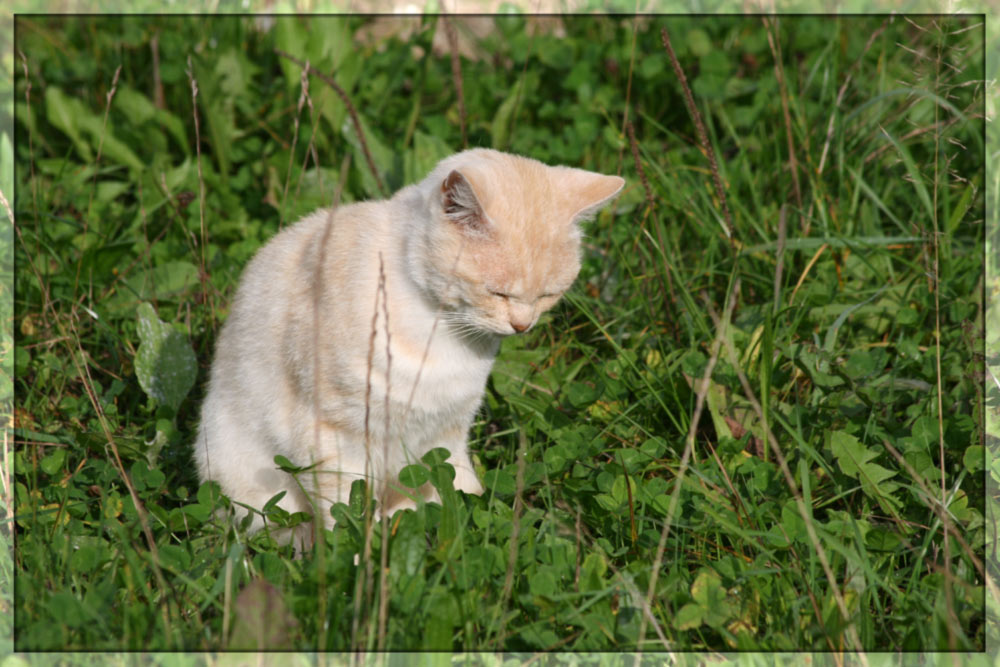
(327, 236)
(276, 287)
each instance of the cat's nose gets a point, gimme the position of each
(519, 327)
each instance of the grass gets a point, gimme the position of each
(754, 423)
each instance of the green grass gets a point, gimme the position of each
(745, 441)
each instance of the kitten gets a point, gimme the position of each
(476, 251)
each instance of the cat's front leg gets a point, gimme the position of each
(465, 474)
(397, 498)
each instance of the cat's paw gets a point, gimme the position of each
(466, 480)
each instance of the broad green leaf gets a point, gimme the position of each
(208, 494)
(860, 364)
(235, 73)
(110, 190)
(414, 476)
(592, 572)
(53, 462)
(960, 209)
(164, 279)
(442, 616)
(427, 151)
(111, 148)
(136, 106)
(409, 545)
(218, 115)
(291, 37)
(581, 395)
(709, 594)
(442, 476)
(176, 129)
(974, 458)
(500, 482)
(699, 43)
(64, 112)
(73, 117)
(436, 455)
(855, 461)
(87, 557)
(174, 557)
(380, 153)
(501, 126)
(542, 582)
(273, 502)
(688, 617)
(925, 432)
(792, 523)
(65, 608)
(607, 502)
(165, 364)
(831, 333)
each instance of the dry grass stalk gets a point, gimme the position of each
(310, 151)
(638, 165)
(628, 85)
(93, 181)
(840, 96)
(699, 125)
(202, 271)
(780, 254)
(31, 147)
(363, 588)
(154, 47)
(383, 600)
(949, 592)
(330, 81)
(779, 72)
(100, 149)
(456, 73)
(319, 542)
(304, 92)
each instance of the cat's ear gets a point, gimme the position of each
(460, 203)
(587, 192)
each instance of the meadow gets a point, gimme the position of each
(755, 423)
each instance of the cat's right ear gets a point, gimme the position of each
(461, 205)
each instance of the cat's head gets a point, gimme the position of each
(503, 240)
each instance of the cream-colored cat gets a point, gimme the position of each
(476, 251)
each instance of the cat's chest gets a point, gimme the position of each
(433, 372)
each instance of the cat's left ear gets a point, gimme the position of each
(461, 204)
(587, 192)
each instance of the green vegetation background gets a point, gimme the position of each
(856, 166)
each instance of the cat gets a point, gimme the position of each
(476, 251)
